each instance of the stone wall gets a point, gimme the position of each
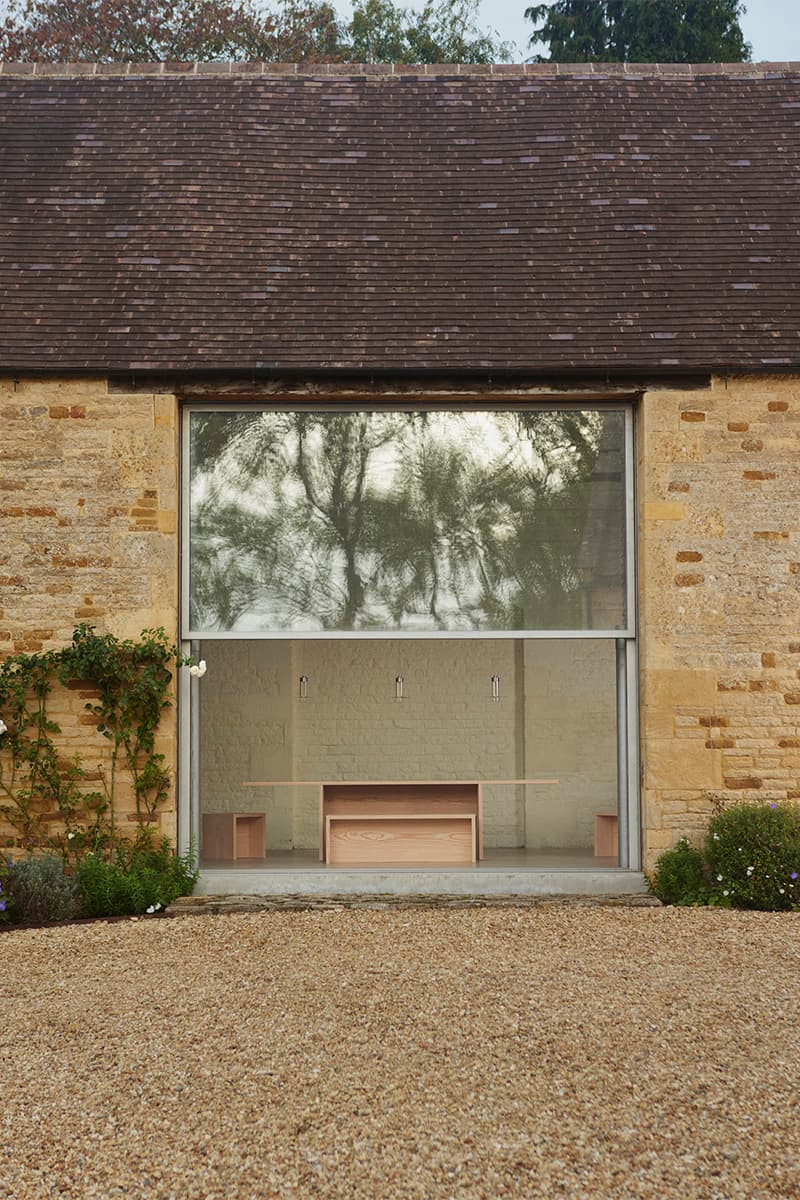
(88, 510)
(89, 501)
(719, 578)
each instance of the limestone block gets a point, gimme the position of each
(664, 510)
(682, 822)
(656, 840)
(679, 687)
(657, 652)
(681, 764)
(681, 448)
(165, 412)
(657, 723)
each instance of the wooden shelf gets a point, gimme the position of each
(228, 836)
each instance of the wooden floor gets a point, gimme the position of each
(495, 860)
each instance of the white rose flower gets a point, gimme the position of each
(151, 909)
(198, 670)
(3, 728)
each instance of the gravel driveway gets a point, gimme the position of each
(553, 1052)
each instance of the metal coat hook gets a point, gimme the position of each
(303, 687)
(398, 687)
(495, 687)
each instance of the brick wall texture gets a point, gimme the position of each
(89, 507)
(719, 584)
(88, 512)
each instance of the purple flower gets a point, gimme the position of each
(2, 906)
(772, 804)
(793, 875)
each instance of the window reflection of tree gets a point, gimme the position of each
(364, 520)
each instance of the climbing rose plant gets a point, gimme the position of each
(38, 785)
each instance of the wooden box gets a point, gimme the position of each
(228, 836)
(606, 835)
(446, 839)
(372, 824)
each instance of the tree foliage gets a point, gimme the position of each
(443, 32)
(241, 30)
(639, 30)
(390, 520)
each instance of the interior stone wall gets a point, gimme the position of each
(555, 717)
(570, 735)
(89, 513)
(719, 585)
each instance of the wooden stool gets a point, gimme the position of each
(234, 835)
(606, 835)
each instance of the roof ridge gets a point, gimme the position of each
(399, 70)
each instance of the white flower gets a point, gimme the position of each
(750, 870)
(198, 669)
(70, 836)
(716, 837)
(3, 728)
(151, 909)
(719, 879)
(781, 890)
(726, 892)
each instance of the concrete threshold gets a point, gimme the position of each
(414, 881)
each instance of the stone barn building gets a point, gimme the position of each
(450, 415)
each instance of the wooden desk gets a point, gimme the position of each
(399, 822)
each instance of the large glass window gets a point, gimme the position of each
(532, 724)
(425, 522)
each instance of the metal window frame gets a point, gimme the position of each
(630, 825)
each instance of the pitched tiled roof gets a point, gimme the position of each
(496, 219)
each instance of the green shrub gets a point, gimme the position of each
(6, 907)
(679, 877)
(139, 878)
(753, 856)
(38, 890)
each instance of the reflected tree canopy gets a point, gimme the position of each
(429, 521)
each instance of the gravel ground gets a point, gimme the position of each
(555, 1052)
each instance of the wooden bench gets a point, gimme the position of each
(376, 824)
